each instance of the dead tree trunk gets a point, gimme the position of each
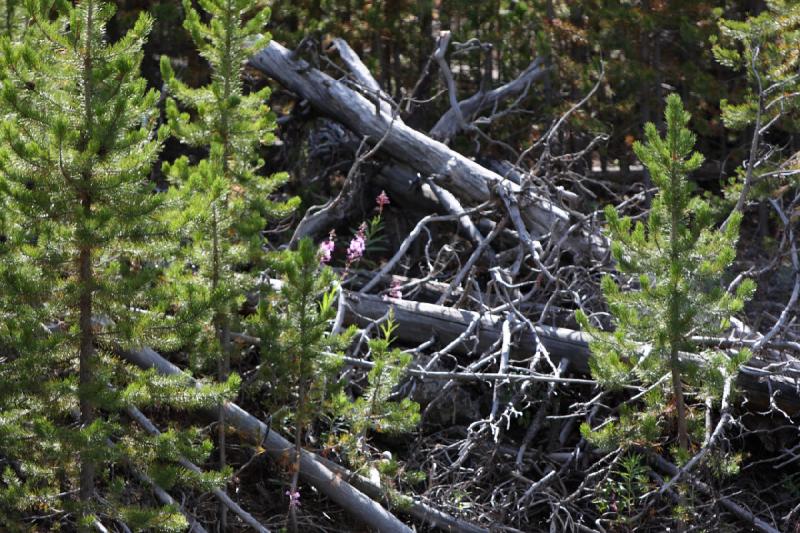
(311, 470)
(450, 169)
(419, 321)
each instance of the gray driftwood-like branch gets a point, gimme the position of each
(418, 509)
(165, 498)
(459, 174)
(226, 500)
(363, 76)
(457, 117)
(418, 321)
(311, 470)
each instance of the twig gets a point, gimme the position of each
(406, 244)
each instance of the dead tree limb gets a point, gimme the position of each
(455, 119)
(364, 77)
(221, 495)
(311, 470)
(165, 498)
(418, 509)
(338, 208)
(455, 111)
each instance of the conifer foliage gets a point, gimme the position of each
(80, 254)
(764, 48)
(676, 260)
(300, 375)
(374, 410)
(297, 345)
(221, 203)
(10, 14)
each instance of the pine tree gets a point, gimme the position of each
(297, 348)
(374, 410)
(764, 48)
(80, 247)
(222, 202)
(678, 259)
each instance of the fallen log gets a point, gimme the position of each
(418, 322)
(423, 512)
(164, 497)
(452, 170)
(254, 429)
(311, 470)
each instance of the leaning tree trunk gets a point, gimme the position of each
(449, 169)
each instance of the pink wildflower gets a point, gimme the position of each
(294, 498)
(357, 246)
(382, 200)
(326, 249)
(394, 290)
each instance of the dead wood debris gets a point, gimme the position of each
(490, 283)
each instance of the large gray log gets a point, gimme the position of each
(311, 470)
(418, 322)
(455, 172)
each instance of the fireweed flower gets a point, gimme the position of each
(294, 498)
(382, 200)
(394, 290)
(357, 246)
(326, 249)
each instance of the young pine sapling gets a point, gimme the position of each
(297, 347)
(221, 203)
(81, 251)
(678, 259)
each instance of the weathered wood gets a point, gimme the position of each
(165, 498)
(419, 510)
(363, 76)
(311, 470)
(461, 175)
(449, 124)
(418, 322)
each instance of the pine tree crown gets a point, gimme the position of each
(686, 262)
